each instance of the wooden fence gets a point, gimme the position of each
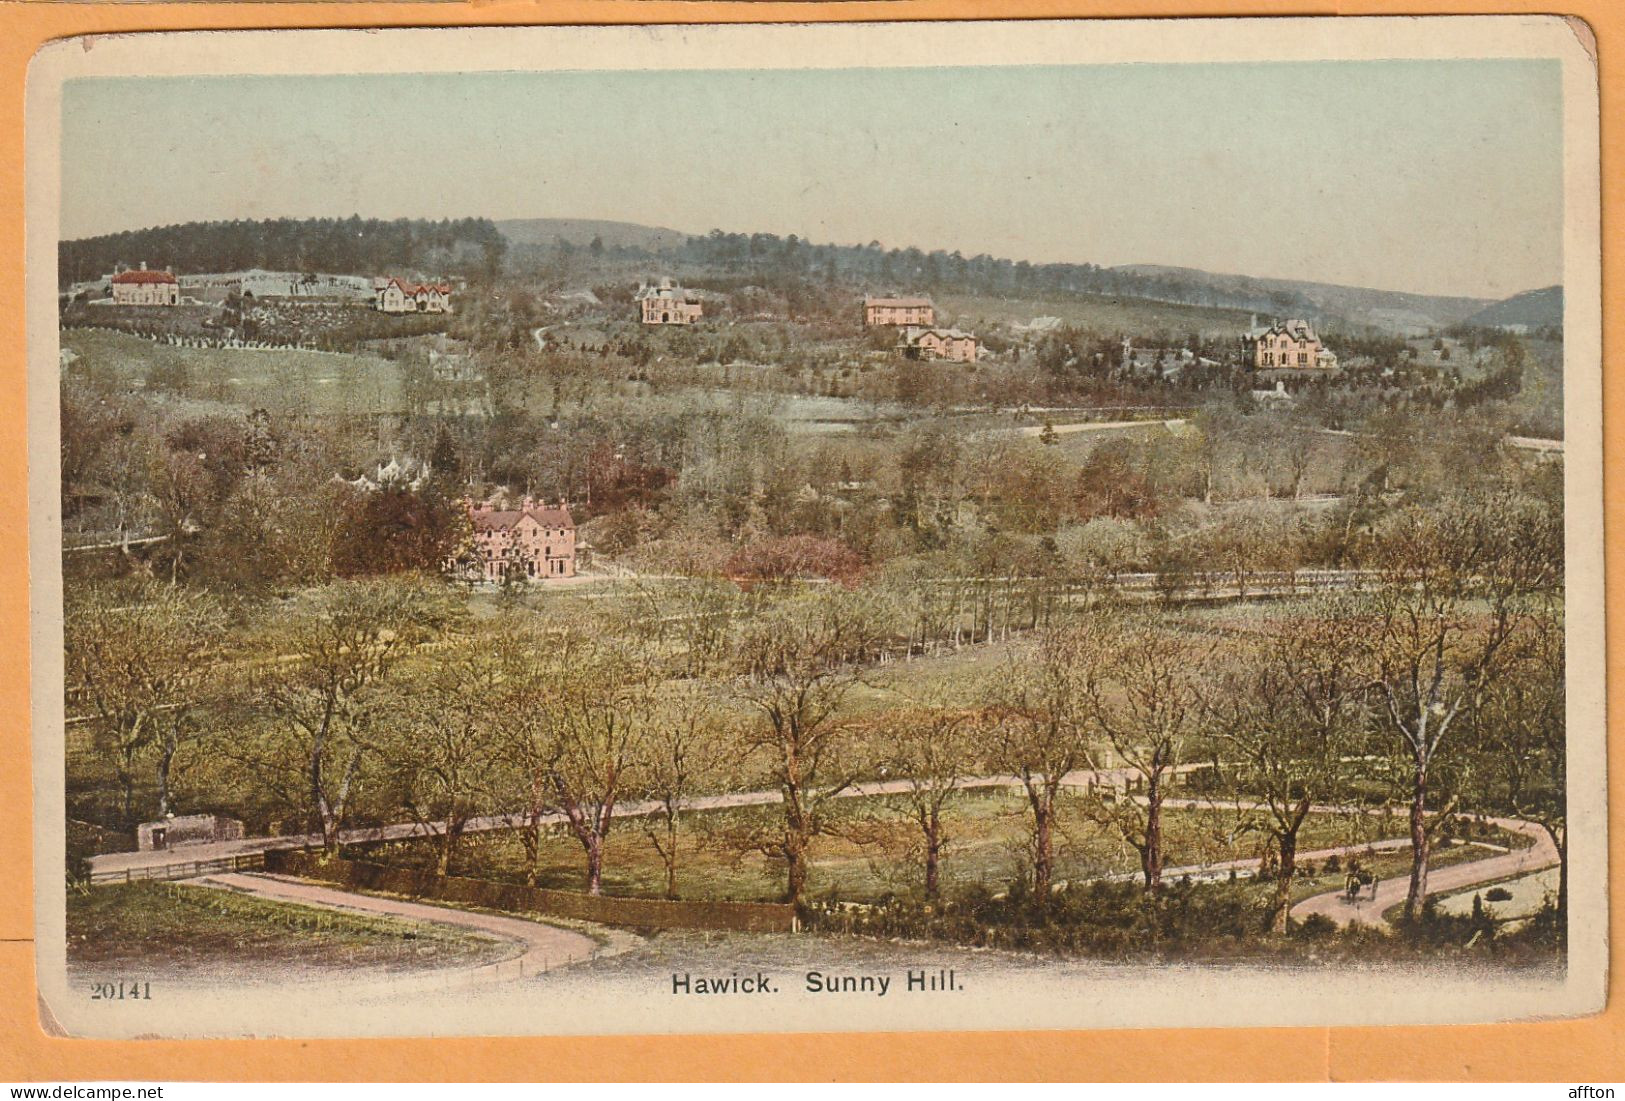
(182, 869)
(643, 913)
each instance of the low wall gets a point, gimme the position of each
(644, 913)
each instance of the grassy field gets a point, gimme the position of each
(280, 381)
(1103, 315)
(172, 930)
(870, 857)
(1334, 461)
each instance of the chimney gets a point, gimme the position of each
(143, 265)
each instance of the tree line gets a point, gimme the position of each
(466, 246)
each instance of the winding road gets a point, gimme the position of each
(1540, 854)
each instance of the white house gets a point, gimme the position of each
(396, 295)
(146, 288)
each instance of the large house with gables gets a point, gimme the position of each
(1287, 346)
(396, 295)
(951, 344)
(666, 303)
(534, 542)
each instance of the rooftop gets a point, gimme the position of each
(488, 517)
(143, 276)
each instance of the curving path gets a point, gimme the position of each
(544, 947)
(1540, 854)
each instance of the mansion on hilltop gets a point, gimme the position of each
(666, 303)
(1290, 346)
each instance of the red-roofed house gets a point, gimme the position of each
(396, 295)
(534, 541)
(898, 311)
(146, 288)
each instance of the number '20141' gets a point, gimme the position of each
(120, 991)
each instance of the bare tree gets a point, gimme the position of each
(1039, 730)
(598, 701)
(690, 746)
(797, 663)
(1520, 732)
(930, 748)
(140, 657)
(1141, 688)
(1288, 715)
(1457, 585)
(180, 489)
(440, 748)
(319, 693)
(523, 727)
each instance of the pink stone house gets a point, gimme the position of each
(535, 542)
(1287, 345)
(898, 311)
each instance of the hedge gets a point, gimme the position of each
(644, 913)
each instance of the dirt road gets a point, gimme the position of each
(1542, 853)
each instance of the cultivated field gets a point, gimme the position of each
(281, 381)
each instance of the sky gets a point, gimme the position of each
(1440, 177)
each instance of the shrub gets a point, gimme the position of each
(1314, 927)
(1104, 919)
(1497, 894)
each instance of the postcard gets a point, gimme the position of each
(951, 526)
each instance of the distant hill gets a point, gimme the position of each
(581, 231)
(1391, 311)
(1536, 309)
